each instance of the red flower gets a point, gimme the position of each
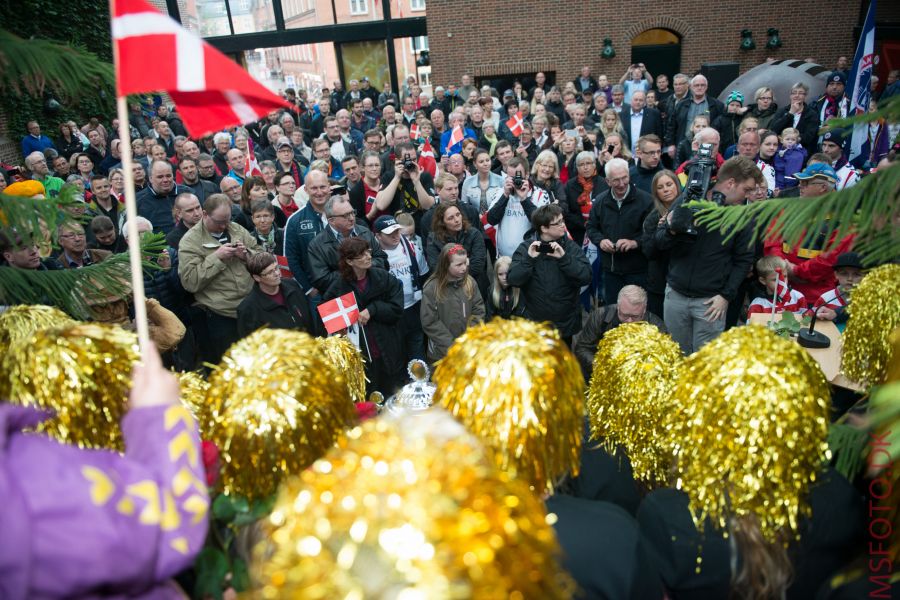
(366, 410)
(210, 462)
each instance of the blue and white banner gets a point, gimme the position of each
(859, 85)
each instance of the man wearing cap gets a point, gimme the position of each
(833, 104)
(286, 160)
(407, 264)
(810, 269)
(366, 90)
(832, 147)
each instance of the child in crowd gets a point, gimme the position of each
(772, 273)
(789, 160)
(450, 302)
(503, 300)
(832, 305)
(406, 221)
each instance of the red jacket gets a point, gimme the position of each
(813, 269)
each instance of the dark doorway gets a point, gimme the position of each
(659, 50)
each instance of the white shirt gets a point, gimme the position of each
(400, 266)
(637, 119)
(515, 224)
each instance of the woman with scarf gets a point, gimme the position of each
(581, 191)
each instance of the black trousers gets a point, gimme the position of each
(219, 333)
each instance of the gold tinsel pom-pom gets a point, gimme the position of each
(21, 322)
(83, 373)
(517, 387)
(749, 430)
(275, 406)
(398, 510)
(347, 361)
(193, 395)
(874, 313)
(629, 398)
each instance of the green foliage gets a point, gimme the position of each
(885, 416)
(848, 449)
(220, 564)
(789, 325)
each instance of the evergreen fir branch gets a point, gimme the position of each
(72, 290)
(889, 111)
(30, 214)
(870, 209)
(34, 65)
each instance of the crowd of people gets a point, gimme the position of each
(554, 204)
(544, 202)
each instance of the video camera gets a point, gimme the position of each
(696, 189)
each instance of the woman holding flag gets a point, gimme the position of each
(378, 296)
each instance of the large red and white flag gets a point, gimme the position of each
(155, 53)
(515, 124)
(456, 136)
(427, 163)
(340, 313)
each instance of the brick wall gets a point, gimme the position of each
(485, 39)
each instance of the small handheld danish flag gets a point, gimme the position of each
(210, 90)
(426, 159)
(515, 124)
(414, 132)
(456, 136)
(340, 313)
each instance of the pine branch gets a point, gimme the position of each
(34, 65)
(73, 290)
(29, 214)
(870, 209)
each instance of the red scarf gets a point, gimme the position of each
(584, 198)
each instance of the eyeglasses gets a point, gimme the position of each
(558, 223)
(274, 270)
(766, 98)
(72, 235)
(220, 222)
(288, 182)
(346, 215)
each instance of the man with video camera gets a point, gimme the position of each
(704, 269)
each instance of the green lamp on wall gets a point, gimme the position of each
(747, 42)
(608, 50)
(774, 39)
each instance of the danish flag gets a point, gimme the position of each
(414, 132)
(782, 291)
(340, 313)
(251, 165)
(456, 136)
(515, 124)
(427, 163)
(154, 53)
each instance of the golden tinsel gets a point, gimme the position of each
(275, 406)
(83, 373)
(347, 362)
(629, 398)
(516, 385)
(397, 512)
(874, 313)
(749, 430)
(20, 322)
(193, 395)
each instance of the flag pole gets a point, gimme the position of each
(134, 240)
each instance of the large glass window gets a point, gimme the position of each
(307, 66)
(252, 16)
(209, 18)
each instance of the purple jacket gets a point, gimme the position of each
(94, 523)
(788, 162)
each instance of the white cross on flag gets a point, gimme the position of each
(154, 53)
(456, 136)
(340, 313)
(414, 132)
(515, 124)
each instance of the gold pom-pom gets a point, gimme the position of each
(874, 313)
(347, 361)
(21, 322)
(275, 406)
(749, 432)
(193, 395)
(635, 369)
(516, 386)
(408, 507)
(83, 373)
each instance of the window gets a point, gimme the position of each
(419, 43)
(359, 7)
(417, 4)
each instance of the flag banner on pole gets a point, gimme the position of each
(782, 291)
(860, 84)
(427, 163)
(515, 124)
(414, 132)
(456, 136)
(340, 313)
(251, 165)
(155, 53)
(284, 268)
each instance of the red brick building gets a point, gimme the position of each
(492, 40)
